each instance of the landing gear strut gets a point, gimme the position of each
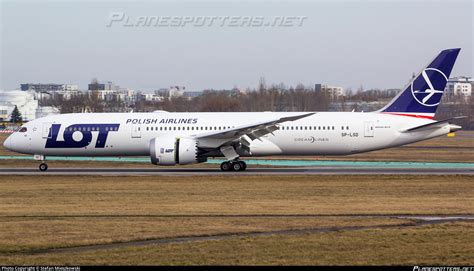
(43, 167)
(233, 166)
(39, 157)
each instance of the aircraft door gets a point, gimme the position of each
(136, 133)
(46, 132)
(368, 129)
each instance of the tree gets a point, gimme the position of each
(16, 115)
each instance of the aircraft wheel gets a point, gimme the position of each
(243, 165)
(43, 167)
(237, 166)
(226, 166)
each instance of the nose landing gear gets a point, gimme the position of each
(43, 166)
(233, 166)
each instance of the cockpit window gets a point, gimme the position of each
(22, 130)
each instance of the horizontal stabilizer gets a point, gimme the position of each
(434, 124)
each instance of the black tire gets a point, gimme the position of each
(225, 166)
(43, 167)
(237, 166)
(244, 165)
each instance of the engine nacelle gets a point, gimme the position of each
(169, 151)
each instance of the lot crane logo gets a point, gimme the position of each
(427, 89)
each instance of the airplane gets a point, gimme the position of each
(192, 137)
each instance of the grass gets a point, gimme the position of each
(210, 195)
(23, 234)
(62, 212)
(446, 244)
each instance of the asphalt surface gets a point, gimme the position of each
(335, 170)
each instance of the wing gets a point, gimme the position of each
(252, 130)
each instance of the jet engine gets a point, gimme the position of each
(169, 151)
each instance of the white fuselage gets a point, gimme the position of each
(324, 133)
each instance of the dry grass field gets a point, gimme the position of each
(59, 212)
(448, 244)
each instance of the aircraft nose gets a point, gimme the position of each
(8, 144)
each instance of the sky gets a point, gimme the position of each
(374, 44)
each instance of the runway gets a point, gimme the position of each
(250, 171)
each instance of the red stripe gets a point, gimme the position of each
(409, 115)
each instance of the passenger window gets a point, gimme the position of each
(23, 130)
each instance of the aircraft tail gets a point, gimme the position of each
(421, 96)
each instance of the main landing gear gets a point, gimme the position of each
(233, 166)
(43, 167)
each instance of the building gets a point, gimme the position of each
(111, 92)
(332, 91)
(48, 91)
(103, 86)
(152, 97)
(164, 94)
(27, 105)
(24, 100)
(459, 87)
(176, 91)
